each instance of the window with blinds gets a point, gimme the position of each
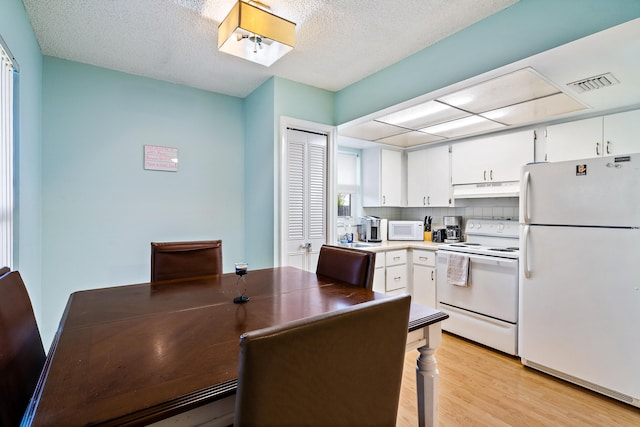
(7, 70)
(348, 184)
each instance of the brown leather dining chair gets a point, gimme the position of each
(180, 260)
(348, 265)
(342, 368)
(22, 355)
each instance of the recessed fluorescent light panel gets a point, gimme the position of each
(516, 98)
(422, 115)
(372, 131)
(535, 110)
(410, 139)
(513, 88)
(460, 127)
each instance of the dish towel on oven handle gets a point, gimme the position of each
(458, 270)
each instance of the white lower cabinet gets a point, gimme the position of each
(379, 274)
(424, 277)
(390, 276)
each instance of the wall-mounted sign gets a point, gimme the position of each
(160, 158)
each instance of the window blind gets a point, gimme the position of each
(6, 157)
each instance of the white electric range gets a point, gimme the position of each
(485, 307)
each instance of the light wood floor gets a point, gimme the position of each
(482, 387)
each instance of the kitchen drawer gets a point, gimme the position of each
(396, 277)
(396, 257)
(421, 257)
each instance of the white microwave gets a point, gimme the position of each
(405, 230)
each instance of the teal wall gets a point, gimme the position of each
(262, 111)
(522, 30)
(16, 31)
(258, 113)
(101, 208)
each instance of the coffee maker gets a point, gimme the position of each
(369, 229)
(453, 226)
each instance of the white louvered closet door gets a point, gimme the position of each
(305, 169)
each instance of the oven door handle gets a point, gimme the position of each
(480, 259)
(525, 257)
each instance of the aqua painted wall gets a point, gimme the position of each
(522, 30)
(101, 209)
(16, 31)
(258, 113)
(262, 111)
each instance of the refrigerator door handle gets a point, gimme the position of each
(525, 197)
(525, 255)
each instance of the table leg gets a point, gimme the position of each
(427, 378)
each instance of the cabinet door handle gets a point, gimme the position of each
(424, 201)
(428, 200)
(485, 175)
(608, 150)
(597, 148)
(397, 278)
(384, 200)
(432, 275)
(396, 258)
(491, 175)
(422, 258)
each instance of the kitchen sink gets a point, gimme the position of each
(360, 245)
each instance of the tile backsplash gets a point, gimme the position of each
(496, 208)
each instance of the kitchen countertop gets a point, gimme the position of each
(394, 244)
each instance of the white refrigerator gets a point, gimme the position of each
(579, 300)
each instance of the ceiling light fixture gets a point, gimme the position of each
(252, 32)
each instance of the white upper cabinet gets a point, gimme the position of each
(580, 139)
(490, 159)
(381, 177)
(622, 133)
(429, 177)
(616, 134)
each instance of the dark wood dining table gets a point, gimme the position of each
(133, 355)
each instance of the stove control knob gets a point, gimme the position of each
(479, 226)
(471, 225)
(500, 228)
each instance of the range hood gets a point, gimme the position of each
(486, 190)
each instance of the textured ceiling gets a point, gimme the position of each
(338, 42)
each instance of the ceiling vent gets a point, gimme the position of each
(593, 83)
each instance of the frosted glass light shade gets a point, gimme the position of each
(237, 34)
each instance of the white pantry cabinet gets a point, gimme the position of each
(429, 177)
(381, 177)
(496, 158)
(615, 134)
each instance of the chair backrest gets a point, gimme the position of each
(343, 368)
(179, 260)
(348, 265)
(22, 356)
